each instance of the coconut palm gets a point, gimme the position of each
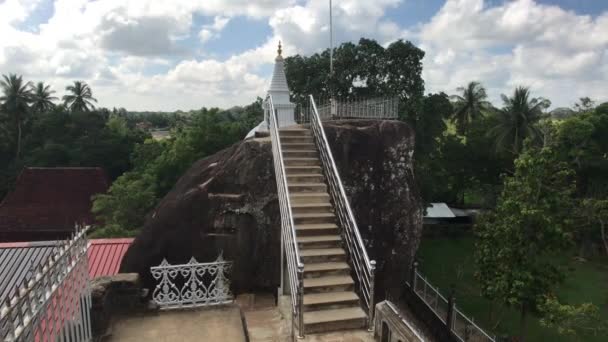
(469, 105)
(80, 98)
(15, 99)
(518, 119)
(42, 98)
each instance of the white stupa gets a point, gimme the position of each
(280, 97)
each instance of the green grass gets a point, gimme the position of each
(449, 260)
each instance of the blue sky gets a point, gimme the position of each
(185, 54)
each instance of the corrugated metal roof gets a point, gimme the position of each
(17, 259)
(439, 210)
(105, 256)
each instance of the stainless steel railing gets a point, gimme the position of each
(364, 267)
(295, 267)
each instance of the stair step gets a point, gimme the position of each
(295, 132)
(325, 266)
(298, 146)
(303, 218)
(309, 197)
(305, 178)
(328, 281)
(305, 139)
(316, 229)
(296, 188)
(307, 208)
(314, 255)
(300, 154)
(302, 161)
(318, 238)
(334, 319)
(323, 269)
(291, 170)
(330, 297)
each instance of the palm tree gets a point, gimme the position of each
(81, 97)
(15, 99)
(517, 120)
(469, 105)
(42, 98)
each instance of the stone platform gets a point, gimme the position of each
(220, 323)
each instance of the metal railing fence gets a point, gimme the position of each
(295, 267)
(466, 330)
(462, 327)
(53, 303)
(364, 267)
(354, 108)
(431, 296)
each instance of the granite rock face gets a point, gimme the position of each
(227, 202)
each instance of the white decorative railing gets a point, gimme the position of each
(364, 267)
(192, 284)
(53, 303)
(295, 267)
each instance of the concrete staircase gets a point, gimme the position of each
(330, 302)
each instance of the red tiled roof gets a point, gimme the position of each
(52, 199)
(105, 256)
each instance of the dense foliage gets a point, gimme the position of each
(364, 70)
(157, 165)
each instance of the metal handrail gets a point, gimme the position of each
(295, 267)
(363, 266)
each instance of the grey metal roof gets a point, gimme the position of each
(16, 260)
(439, 210)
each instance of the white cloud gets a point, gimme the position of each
(133, 52)
(212, 30)
(517, 43)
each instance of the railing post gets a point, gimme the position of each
(371, 295)
(301, 301)
(451, 304)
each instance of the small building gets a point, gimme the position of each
(48, 202)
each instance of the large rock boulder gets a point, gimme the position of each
(227, 202)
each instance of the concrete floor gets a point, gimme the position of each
(265, 323)
(269, 323)
(208, 324)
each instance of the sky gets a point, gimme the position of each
(186, 54)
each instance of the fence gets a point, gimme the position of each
(336, 109)
(462, 327)
(53, 303)
(192, 284)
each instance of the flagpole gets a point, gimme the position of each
(331, 41)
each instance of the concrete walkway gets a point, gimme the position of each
(269, 323)
(220, 323)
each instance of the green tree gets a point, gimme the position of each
(519, 240)
(80, 97)
(42, 98)
(518, 120)
(125, 205)
(364, 70)
(469, 106)
(15, 100)
(574, 321)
